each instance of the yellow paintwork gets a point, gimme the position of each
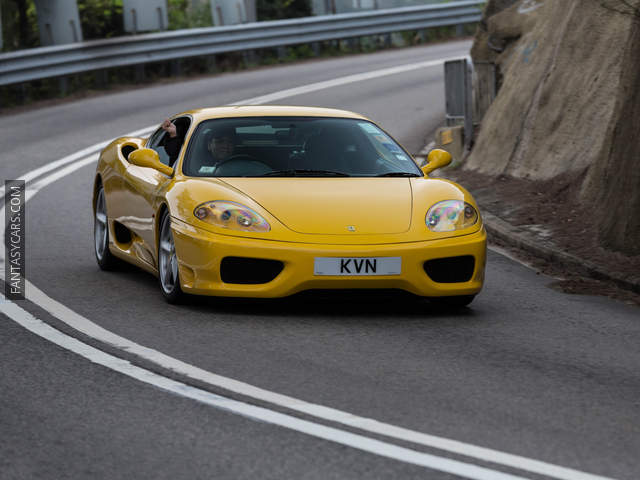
(328, 205)
(308, 218)
(146, 157)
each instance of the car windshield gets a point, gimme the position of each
(295, 147)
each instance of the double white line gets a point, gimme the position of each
(71, 163)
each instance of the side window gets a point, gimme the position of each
(156, 142)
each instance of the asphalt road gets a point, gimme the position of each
(525, 370)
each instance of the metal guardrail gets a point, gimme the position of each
(470, 88)
(458, 86)
(39, 63)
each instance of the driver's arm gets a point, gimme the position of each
(172, 146)
(172, 141)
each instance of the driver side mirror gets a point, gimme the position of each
(437, 158)
(146, 157)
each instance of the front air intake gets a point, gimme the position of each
(450, 269)
(248, 271)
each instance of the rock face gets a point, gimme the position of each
(568, 104)
(612, 185)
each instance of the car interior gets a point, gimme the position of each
(266, 146)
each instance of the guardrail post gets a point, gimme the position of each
(249, 58)
(176, 68)
(63, 86)
(22, 93)
(212, 65)
(102, 79)
(354, 44)
(459, 30)
(458, 76)
(139, 73)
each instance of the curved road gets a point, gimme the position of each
(546, 383)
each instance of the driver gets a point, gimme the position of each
(221, 145)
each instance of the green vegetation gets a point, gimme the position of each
(186, 14)
(100, 18)
(281, 9)
(103, 19)
(19, 24)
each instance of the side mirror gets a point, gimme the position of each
(145, 157)
(436, 159)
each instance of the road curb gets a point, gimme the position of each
(519, 238)
(516, 237)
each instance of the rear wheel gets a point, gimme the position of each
(168, 263)
(457, 301)
(106, 260)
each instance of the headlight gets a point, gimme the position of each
(231, 215)
(451, 215)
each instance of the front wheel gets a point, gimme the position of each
(106, 260)
(168, 263)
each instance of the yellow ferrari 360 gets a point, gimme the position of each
(269, 201)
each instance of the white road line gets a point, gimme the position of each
(34, 188)
(358, 77)
(260, 100)
(366, 444)
(89, 328)
(29, 176)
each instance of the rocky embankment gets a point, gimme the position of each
(566, 119)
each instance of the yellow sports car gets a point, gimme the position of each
(268, 201)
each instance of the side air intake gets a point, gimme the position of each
(450, 269)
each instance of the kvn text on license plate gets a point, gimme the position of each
(357, 266)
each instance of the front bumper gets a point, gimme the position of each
(200, 253)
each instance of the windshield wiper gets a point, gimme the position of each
(302, 172)
(398, 174)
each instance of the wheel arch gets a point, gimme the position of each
(97, 183)
(162, 209)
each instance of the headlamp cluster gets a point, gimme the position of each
(231, 215)
(450, 215)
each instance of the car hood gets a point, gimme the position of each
(362, 206)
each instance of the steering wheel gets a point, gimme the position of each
(238, 156)
(241, 158)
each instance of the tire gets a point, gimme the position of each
(168, 274)
(106, 260)
(458, 301)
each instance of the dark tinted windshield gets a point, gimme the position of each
(294, 146)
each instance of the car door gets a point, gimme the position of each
(142, 188)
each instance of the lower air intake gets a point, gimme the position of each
(450, 269)
(249, 271)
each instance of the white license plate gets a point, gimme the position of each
(358, 266)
